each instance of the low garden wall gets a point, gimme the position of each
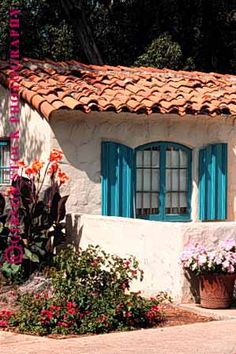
(156, 245)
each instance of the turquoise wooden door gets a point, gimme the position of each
(117, 170)
(213, 182)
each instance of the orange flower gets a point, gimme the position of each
(56, 155)
(21, 164)
(62, 177)
(53, 168)
(37, 165)
(30, 171)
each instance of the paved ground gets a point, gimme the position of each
(218, 337)
(223, 314)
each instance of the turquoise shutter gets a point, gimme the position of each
(213, 182)
(117, 169)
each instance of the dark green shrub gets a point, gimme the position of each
(90, 294)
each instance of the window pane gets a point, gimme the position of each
(5, 162)
(147, 180)
(183, 200)
(138, 201)
(183, 180)
(183, 158)
(147, 158)
(171, 200)
(147, 203)
(156, 180)
(139, 159)
(172, 158)
(172, 180)
(175, 185)
(155, 158)
(139, 179)
(176, 203)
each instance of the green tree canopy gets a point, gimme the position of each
(178, 34)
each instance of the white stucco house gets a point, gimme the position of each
(140, 144)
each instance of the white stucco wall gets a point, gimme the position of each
(35, 132)
(156, 245)
(80, 135)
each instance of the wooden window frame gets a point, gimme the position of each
(4, 142)
(163, 216)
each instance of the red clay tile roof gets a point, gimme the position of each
(49, 86)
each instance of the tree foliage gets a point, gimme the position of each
(183, 34)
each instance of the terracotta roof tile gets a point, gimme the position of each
(49, 86)
(36, 101)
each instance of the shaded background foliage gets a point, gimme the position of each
(178, 34)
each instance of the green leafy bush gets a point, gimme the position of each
(163, 52)
(37, 221)
(90, 294)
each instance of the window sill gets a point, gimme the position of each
(169, 218)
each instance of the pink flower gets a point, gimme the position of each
(63, 324)
(71, 311)
(70, 304)
(3, 323)
(202, 259)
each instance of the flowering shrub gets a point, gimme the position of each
(5, 316)
(40, 215)
(218, 260)
(90, 294)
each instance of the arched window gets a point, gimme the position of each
(163, 182)
(154, 181)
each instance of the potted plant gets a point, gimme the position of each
(215, 268)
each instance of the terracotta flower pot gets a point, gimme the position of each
(216, 290)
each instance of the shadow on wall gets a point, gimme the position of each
(30, 143)
(79, 140)
(193, 282)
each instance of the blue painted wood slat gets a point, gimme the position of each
(117, 170)
(213, 182)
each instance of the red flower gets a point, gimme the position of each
(127, 264)
(56, 155)
(48, 314)
(62, 324)
(128, 314)
(3, 323)
(102, 319)
(71, 311)
(30, 171)
(63, 177)
(6, 313)
(21, 164)
(153, 314)
(37, 165)
(119, 306)
(54, 308)
(94, 263)
(70, 304)
(125, 284)
(53, 168)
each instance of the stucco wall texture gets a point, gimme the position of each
(35, 133)
(157, 246)
(80, 135)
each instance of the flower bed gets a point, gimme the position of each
(90, 295)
